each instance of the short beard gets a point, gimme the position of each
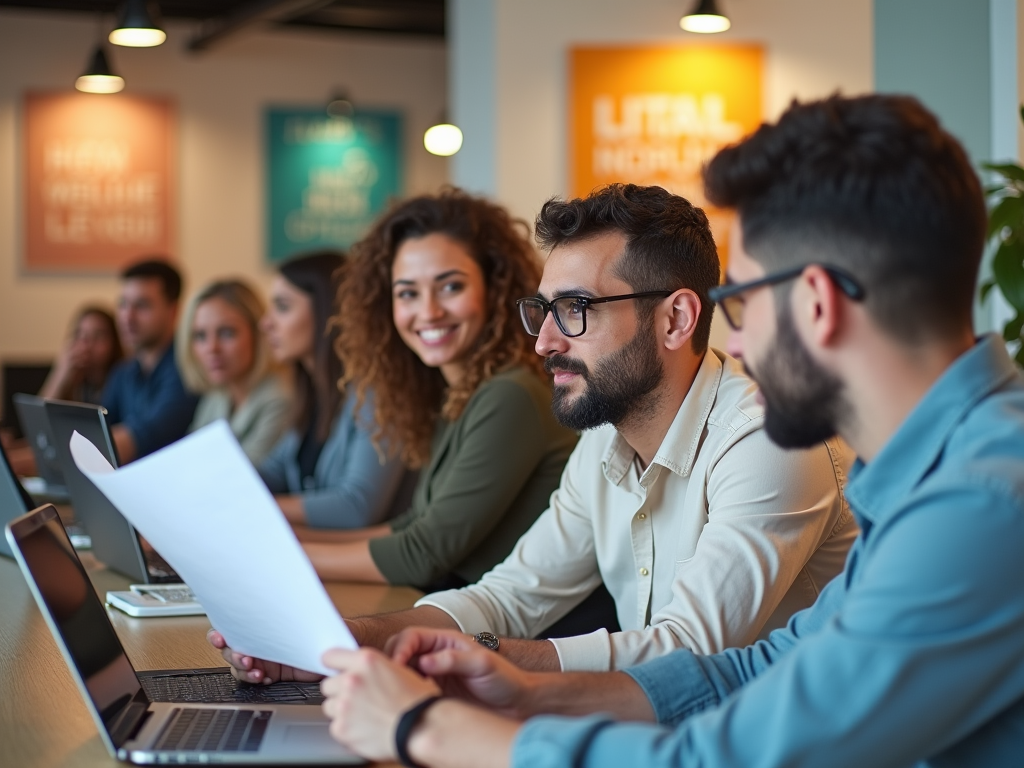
(619, 389)
(804, 403)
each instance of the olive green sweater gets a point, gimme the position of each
(490, 475)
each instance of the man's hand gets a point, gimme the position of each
(464, 669)
(250, 670)
(366, 698)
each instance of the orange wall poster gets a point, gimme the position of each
(99, 180)
(648, 115)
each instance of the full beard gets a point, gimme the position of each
(804, 403)
(619, 389)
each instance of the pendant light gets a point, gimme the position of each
(705, 18)
(443, 138)
(138, 25)
(340, 105)
(98, 76)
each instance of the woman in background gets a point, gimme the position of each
(428, 325)
(91, 352)
(325, 470)
(223, 356)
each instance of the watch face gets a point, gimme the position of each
(487, 640)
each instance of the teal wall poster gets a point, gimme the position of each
(328, 177)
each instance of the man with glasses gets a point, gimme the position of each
(705, 533)
(851, 287)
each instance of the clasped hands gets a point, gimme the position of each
(372, 689)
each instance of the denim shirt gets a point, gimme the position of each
(155, 407)
(913, 656)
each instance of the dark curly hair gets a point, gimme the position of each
(408, 395)
(669, 244)
(873, 185)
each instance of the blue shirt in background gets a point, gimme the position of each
(913, 656)
(155, 408)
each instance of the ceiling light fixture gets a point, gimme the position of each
(138, 25)
(705, 19)
(340, 105)
(443, 139)
(98, 76)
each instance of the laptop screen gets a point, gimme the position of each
(114, 541)
(90, 644)
(36, 426)
(14, 501)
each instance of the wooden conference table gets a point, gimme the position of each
(43, 721)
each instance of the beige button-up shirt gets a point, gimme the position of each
(720, 540)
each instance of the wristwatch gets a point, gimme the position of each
(487, 640)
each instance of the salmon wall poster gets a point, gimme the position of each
(655, 115)
(99, 180)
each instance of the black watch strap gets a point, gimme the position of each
(404, 728)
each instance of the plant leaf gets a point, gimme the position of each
(1011, 331)
(1008, 271)
(1009, 212)
(985, 289)
(1009, 170)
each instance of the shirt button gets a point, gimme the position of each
(643, 571)
(641, 516)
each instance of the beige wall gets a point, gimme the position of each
(812, 47)
(220, 97)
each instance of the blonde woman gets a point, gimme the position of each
(223, 356)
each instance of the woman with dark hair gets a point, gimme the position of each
(428, 326)
(325, 471)
(91, 352)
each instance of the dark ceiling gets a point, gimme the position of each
(218, 19)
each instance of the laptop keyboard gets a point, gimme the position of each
(222, 688)
(213, 730)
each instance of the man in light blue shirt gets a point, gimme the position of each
(851, 282)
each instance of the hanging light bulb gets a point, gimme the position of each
(98, 76)
(137, 25)
(443, 139)
(705, 18)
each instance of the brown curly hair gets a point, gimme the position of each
(408, 395)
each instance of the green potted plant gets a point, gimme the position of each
(1006, 230)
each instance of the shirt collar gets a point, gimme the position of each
(876, 489)
(678, 450)
(167, 358)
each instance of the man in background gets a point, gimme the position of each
(145, 400)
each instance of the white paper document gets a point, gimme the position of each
(204, 508)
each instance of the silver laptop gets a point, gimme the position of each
(114, 541)
(36, 426)
(133, 727)
(14, 500)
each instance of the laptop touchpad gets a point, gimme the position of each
(311, 735)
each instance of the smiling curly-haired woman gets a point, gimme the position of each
(428, 329)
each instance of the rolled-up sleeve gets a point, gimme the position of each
(768, 510)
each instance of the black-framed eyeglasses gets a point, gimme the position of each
(730, 296)
(570, 311)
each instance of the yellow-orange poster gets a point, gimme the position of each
(99, 180)
(656, 115)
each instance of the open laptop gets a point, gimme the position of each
(132, 725)
(36, 427)
(114, 541)
(14, 499)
